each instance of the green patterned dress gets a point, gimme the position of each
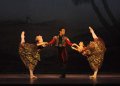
(95, 53)
(29, 54)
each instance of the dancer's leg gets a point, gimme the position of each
(95, 72)
(31, 72)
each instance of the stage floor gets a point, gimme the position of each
(54, 79)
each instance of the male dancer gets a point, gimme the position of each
(61, 41)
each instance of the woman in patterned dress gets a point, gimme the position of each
(30, 53)
(94, 52)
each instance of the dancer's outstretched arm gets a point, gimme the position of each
(93, 33)
(75, 47)
(42, 44)
(22, 37)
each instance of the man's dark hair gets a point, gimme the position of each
(61, 28)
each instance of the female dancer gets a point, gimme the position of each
(94, 52)
(30, 53)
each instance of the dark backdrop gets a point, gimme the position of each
(45, 17)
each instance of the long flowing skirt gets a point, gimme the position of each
(29, 55)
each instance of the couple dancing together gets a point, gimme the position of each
(94, 51)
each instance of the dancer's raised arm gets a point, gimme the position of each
(93, 33)
(22, 37)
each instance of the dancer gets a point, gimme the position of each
(94, 52)
(61, 41)
(30, 53)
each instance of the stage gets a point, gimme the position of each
(54, 79)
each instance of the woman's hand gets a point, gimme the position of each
(44, 44)
(74, 48)
(74, 44)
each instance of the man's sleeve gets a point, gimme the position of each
(52, 41)
(68, 42)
